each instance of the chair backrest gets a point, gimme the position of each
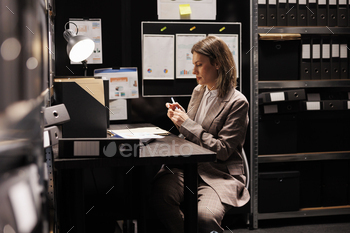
(246, 168)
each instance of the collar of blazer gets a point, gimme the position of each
(214, 110)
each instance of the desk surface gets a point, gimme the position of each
(170, 149)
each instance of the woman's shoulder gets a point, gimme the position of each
(239, 97)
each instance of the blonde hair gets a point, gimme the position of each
(217, 51)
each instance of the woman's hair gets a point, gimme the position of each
(217, 51)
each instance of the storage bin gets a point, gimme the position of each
(278, 191)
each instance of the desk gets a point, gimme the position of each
(168, 150)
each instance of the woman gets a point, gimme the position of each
(217, 119)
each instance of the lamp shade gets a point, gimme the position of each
(79, 47)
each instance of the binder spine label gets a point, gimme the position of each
(316, 51)
(277, 96)
(326, 51)
(335, 50)
(306, 51)
(343, 51)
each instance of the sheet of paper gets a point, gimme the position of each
(184, 43)
(158, 57)
(118, 110)
(232, 42)
(92, 29)
(200, 9)
(130, 134)
(93, 86)
(123, 82)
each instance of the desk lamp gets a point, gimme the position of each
(79, 47)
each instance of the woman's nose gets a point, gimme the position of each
(194, 71)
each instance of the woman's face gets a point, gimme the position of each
(206, 73)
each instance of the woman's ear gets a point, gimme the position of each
(217, 65)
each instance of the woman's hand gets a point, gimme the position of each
(176, 113)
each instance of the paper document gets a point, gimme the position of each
(143, 132)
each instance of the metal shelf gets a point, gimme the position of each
(304, 84)
(309, 212)
(316, 156)
(306, 30)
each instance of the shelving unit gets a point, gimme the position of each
(258, 86)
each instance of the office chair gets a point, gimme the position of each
(246, 168)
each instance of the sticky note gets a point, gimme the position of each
(185, 9)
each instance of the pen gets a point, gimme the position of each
(172, 99)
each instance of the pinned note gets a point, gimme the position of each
(185, 9)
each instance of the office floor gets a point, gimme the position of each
(328, 224)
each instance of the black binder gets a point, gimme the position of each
(272, 13)
(305, 67)
(343, 13)
(281, 13)
(316, 59)
(335, 60)
(332, 13)
(262, 12)
(292, 13)
(343, 60)
(322, 19)
(87, 116)
(326, 59)
(312, 13)
(302, 13)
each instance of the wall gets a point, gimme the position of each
(121, 36)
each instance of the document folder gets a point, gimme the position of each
(343, 14)
(262, 11)
(305, 67)
(312, 13)
(292, 13)
(316, 59)
(302, 13)
(326, 59)
(322, 19)
(335, 62)
(343, 60)
(281, 13)
(272, 13)
(87, 114)
(333, 13)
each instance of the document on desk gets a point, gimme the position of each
(93, 86)
(141, 133)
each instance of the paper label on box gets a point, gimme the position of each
(262, 2)
(348, 104)
(316, 50)
(277, 96)
(322, 2)
(342, 2)
(326, 51)
(302, 2)
(335, 50)
(332, 2)
(313, 106)
(306, 51)
(282, 1)
(270, 109)
(272, 2)
(343, 51)
(292, 1)
(312, 1)
(86, 148)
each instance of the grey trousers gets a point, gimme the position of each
(167, 195)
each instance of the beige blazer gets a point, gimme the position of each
(223, 130)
